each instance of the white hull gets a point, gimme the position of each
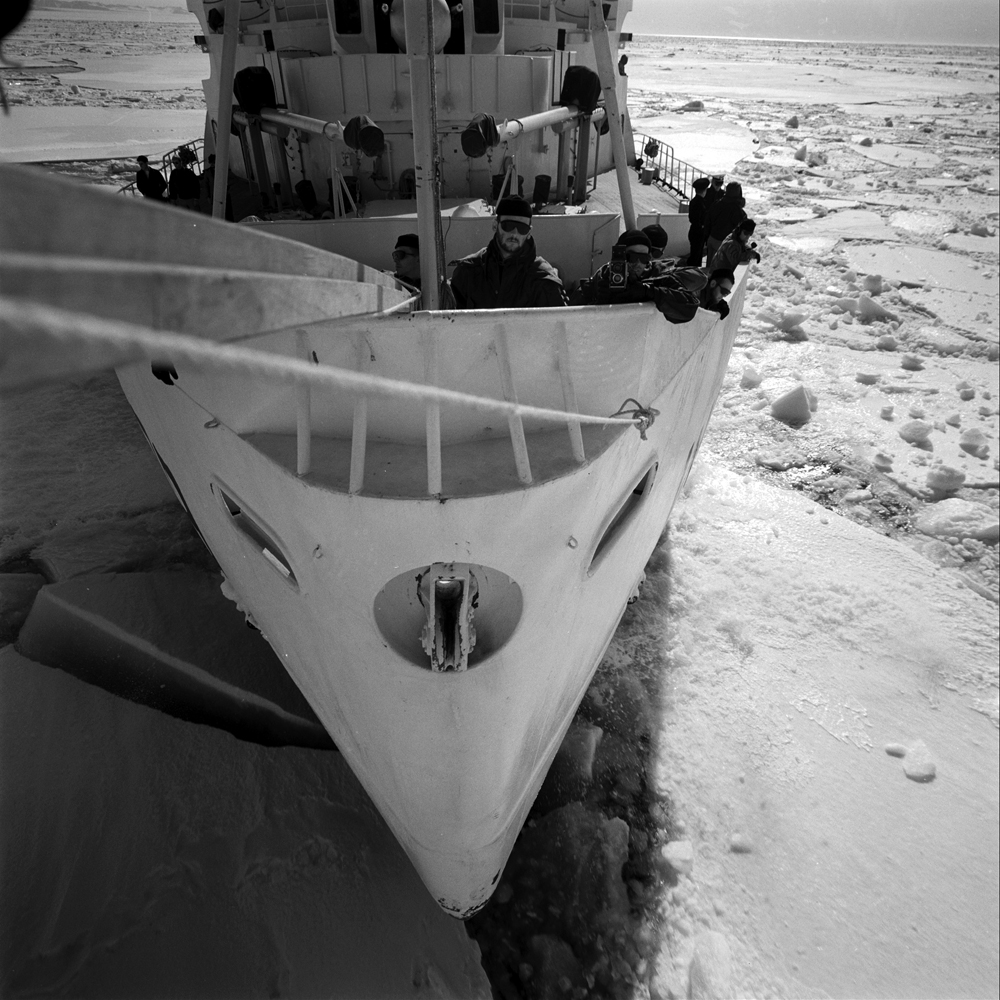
(324, 508)
(452, 760)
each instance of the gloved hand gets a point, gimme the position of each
(165, 373)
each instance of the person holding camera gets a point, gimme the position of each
(622, 278)
(507, 273)
(736, 248)
(632, 276)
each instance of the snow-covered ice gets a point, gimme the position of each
(784, 778)
(144, 856)
(800, 644)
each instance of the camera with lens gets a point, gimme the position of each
(618, 268)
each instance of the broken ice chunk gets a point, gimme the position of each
(795, 407)
(915, 431)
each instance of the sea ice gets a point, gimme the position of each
(945, 479)
(794, 407)
(975, 442)
(679, 855)
(710, 971)
(918, 765)
(170, 859)
(898, 156)
(957, 518)
(869, 310)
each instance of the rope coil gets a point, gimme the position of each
(642, 416)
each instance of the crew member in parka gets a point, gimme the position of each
(507, 273)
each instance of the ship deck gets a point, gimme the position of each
(647, 199)
(469, 468)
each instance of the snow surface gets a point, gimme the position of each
(800, 644)
(825, 719)
(148, 857)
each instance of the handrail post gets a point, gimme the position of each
(230, 41)
(359, 432)
(303, 398)
(582, 156)
(569, 393)
(514, 422)
(432, 418)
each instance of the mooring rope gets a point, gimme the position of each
(642, 415)
(26, 328)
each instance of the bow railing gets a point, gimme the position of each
(665, 169)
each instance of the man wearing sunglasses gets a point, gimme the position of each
(631, 276)
(718, 288)
(406, 258)
(625, 277)
(507, 273)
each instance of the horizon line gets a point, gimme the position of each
(817, 41)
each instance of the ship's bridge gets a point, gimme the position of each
(335, 60)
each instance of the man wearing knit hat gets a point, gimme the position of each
(507, 273)
(406, 258)
(621, 279)
(630, 277)
(658, 240)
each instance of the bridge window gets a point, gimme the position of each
(347, 16)
(486, 17)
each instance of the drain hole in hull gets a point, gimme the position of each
(623, 517)
(249, 527)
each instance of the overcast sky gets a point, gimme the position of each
(967, 22)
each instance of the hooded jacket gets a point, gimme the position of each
(731, 254)
(485, 280)
(725, 215)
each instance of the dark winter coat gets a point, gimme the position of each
(151, 184)
(184, 184)
(675, 293)
(724, 216)
(713, 195)
(485, 280)
(697, 214)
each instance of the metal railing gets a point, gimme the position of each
(299, 10)
(544, 10)
(196, 147)
(666, 170)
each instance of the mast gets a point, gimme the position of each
(423, 105)
(609, 83)
(230, 40)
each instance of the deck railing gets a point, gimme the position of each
(195, 146)
(666, 170)
(432, 412)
